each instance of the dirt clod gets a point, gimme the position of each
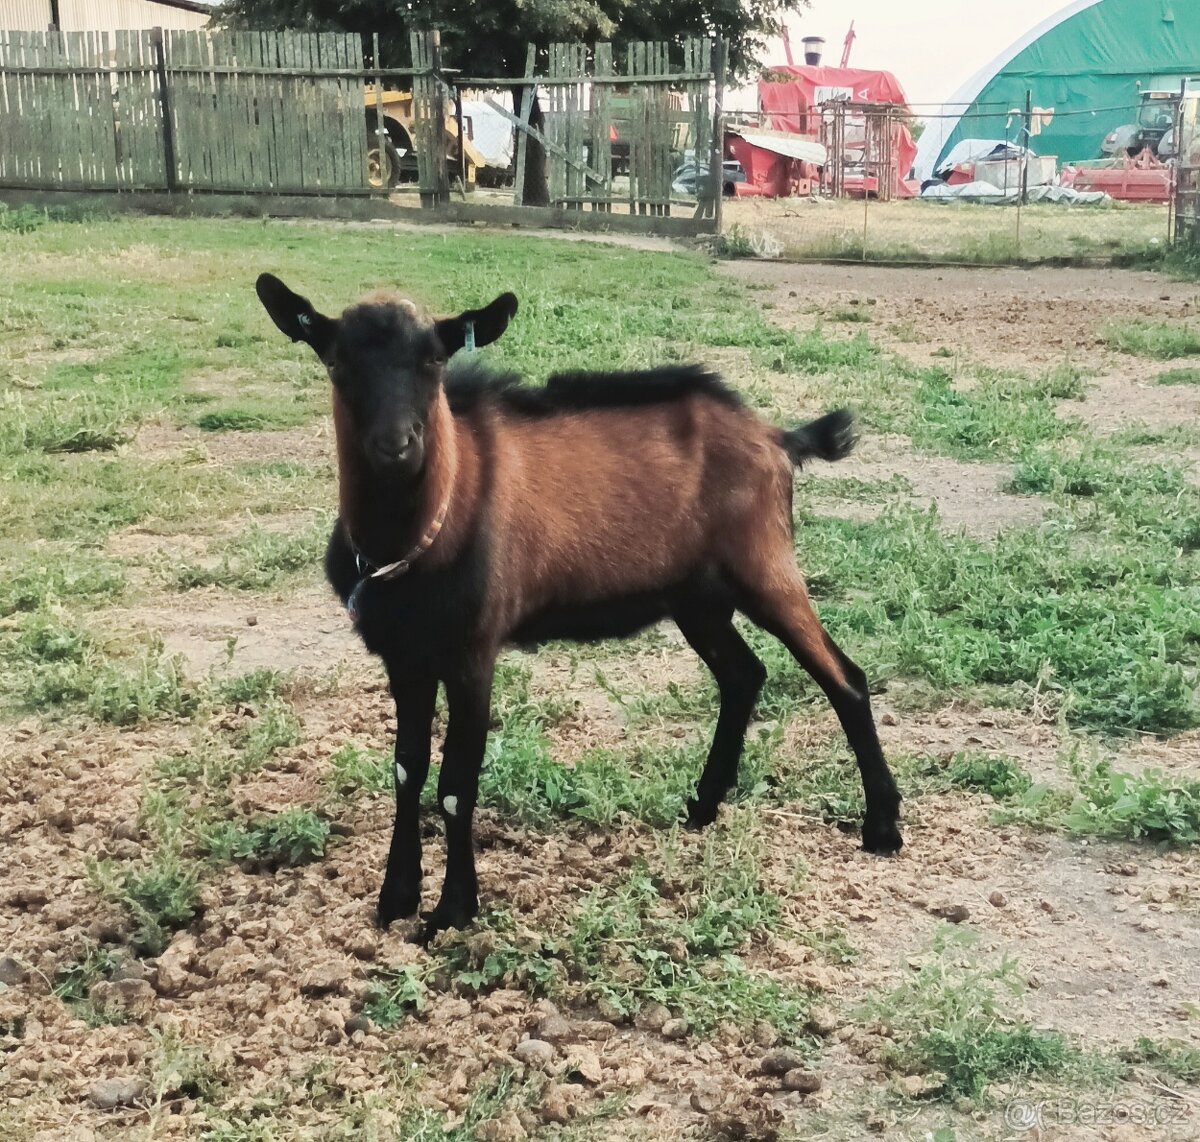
(806, 1082)
(675, 1029)
(553, 1027)
(357, 1023)
(506, 1128)
(821, 1021)
(652, 1017)
(585, 1064)
(555, 1104)
(133, 996)
(998, 900)
(780, 1062)
(108, 1094)
(11, 972)
(954, 913)
(535, 1053)
(706, 1097)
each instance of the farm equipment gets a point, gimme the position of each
(1128, 178)
(1154, 127)
(396, 161)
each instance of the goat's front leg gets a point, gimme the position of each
(469, 700)
(400, 895)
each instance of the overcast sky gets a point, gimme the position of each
(932, 46)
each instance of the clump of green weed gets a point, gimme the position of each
(1172, 1058)
(74, 979)
(160, 895)
(1000, 415)
(22, 219)
(394, 994)
(257, 685)
(353, 769)
(1148, 805)
(739, 242)
(1154, 339)
(1001, 778)
(1179, 377)
(294, 837)
(58, 663)
(950, 1018)
(39, 585)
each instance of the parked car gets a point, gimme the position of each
(693, 178)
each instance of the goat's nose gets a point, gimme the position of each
(404, 443)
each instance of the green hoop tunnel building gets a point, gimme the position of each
(1089, 63)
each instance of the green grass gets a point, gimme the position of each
(995, 418)
(1179, 377)
(1022, 612)
(55, 665)
(256, 560)
(68, 575)
(952, 1019)
(1173, 1059)
(1159, 339)
(1093, 616)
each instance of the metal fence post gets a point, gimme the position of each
(164, 103)
(717, 159)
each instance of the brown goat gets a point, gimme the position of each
(477, 512)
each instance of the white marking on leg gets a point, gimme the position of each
(401, 775)
(450, 804)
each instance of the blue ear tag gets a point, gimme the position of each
(469, 340)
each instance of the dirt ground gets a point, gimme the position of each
(270, 976)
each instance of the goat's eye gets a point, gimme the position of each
(438, 359)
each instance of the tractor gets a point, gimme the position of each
(396, 162)
(1154, 127)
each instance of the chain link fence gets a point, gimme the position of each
(982, 190)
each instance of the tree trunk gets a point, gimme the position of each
(536, 185)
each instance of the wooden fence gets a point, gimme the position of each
(286, 113)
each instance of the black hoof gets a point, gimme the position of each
(396, 906)
(700, 815)
(446, 916)
(882, 837)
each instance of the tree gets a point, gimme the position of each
(489, 38)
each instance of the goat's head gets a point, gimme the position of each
(386, 362)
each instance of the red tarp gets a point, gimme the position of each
(792, 91)
(768, 175)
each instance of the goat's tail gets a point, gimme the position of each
(830, 437)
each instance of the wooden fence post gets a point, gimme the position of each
(164, 104)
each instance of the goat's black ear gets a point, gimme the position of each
(480, 326)
(295, 315)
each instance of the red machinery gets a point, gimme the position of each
(1143, 177)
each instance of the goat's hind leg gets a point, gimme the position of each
(414, 695)
(739, 676)
(783, 609)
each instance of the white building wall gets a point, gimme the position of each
(96, 15)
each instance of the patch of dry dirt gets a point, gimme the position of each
(967, 496)
(311, 444)
(1027, 319)
(1131, 395)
